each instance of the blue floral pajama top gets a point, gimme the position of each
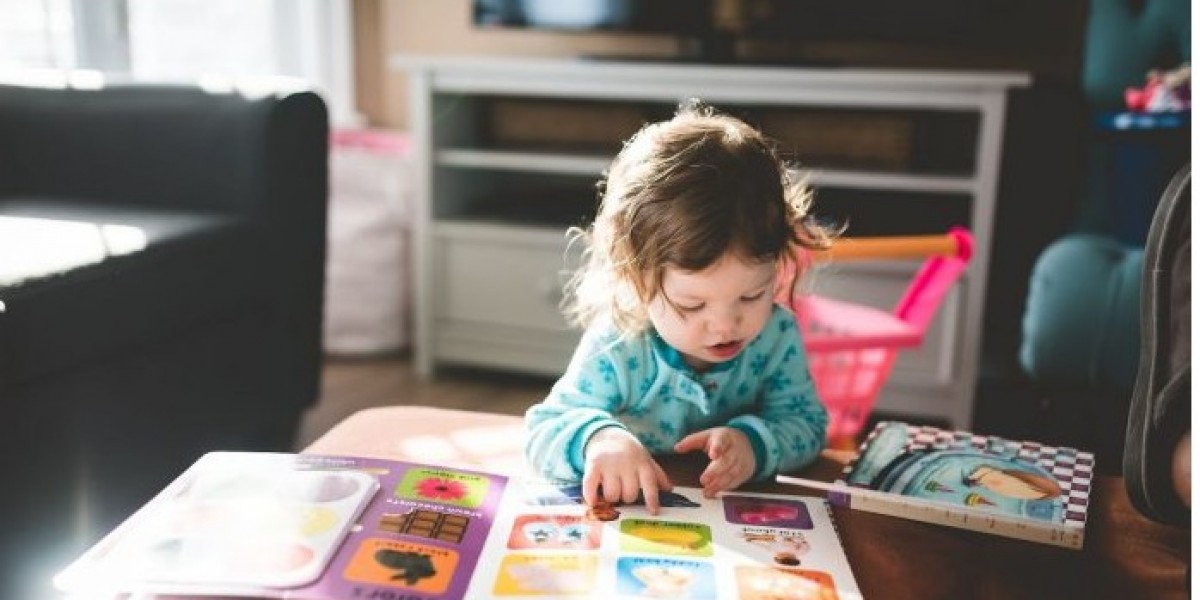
(643, 385)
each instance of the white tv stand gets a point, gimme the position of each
(489, 261)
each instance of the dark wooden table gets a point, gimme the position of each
(1124, 554)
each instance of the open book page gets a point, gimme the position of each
(323, 527)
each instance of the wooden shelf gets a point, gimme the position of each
(494, 202)
(593, 166)
(529, 162)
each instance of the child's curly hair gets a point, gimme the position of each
(683, 192)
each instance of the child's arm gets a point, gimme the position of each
(582, 402)
(788, 429)
(573, 434)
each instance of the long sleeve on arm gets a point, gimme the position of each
(581, 403)
(790, 422)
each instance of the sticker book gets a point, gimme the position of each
(1023, 490)
(323, 527)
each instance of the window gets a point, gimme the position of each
(36, 33)
(174, 40)
(198, 38)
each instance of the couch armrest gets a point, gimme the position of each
(136, 144)
(1080, 327)
(295, 213)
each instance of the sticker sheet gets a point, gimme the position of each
(323, 527)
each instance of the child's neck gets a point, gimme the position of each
(698, 366)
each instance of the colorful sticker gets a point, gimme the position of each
(558, 532)
(427, 524)
(765, 583)
(455, 488)
(773, 512)
(316, 520)
(543, 574)
(784, 547)
(400, 564)
(665, 578)
(666, 537)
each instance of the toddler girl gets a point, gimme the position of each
(684, 347)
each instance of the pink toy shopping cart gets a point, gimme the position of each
(851, 347)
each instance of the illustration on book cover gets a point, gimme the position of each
(1024, 479)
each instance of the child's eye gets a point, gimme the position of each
(691, 309)
(754, 297)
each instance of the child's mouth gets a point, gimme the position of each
(726, 349)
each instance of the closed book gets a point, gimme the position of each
(1017, 489)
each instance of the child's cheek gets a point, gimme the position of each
(662, 312)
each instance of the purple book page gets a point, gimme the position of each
(420, 537)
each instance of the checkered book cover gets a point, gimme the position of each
(1071, 468)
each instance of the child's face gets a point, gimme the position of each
(721, 309)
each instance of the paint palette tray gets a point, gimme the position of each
(234, 520)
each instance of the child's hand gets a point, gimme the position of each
(731, 454)
(617, 462)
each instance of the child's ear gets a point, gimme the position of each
(786, 276)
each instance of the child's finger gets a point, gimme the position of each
(664, 482)
(591, 481)
(695, 441)
(717, 484)
(713, 471)
(723, 476)
(649, 482)
(612, 488)
(717, 446)
(629, 488)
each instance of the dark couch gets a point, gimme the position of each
(161, 273)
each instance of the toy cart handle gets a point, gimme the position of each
(946, 257)
(957, 242)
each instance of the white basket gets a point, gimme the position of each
(368, 277)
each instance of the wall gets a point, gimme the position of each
(387, 27)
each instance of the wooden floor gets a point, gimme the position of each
(352, 384)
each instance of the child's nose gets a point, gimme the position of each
(726, 322)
